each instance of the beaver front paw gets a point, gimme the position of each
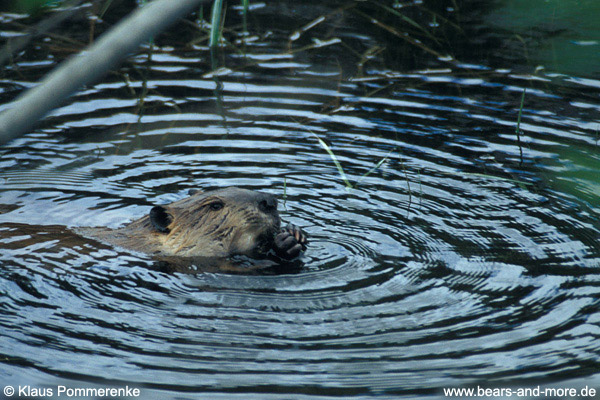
(290, 242)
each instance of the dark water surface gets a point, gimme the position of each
(468, 257)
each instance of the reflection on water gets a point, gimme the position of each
(455, 261)
(561, 36)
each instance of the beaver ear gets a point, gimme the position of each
(160, 219)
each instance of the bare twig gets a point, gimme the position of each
(89, 66)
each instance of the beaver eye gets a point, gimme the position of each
(216, 206)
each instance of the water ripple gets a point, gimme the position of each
(453, 259)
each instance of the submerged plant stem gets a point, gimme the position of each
(402, 35)
(518, 130)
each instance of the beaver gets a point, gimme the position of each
(213, 224)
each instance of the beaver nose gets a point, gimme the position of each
(267, 203)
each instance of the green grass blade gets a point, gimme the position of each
(335, 161)
(369, 172)
(245, 5)
(215, 23)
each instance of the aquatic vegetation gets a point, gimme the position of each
(216, 22)
(518, 129)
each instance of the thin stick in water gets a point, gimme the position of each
(518, 130)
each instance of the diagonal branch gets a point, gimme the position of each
(90, 65)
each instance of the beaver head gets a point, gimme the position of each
(218, 223)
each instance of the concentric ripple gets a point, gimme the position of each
(453, 260)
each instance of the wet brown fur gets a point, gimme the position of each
(196, 227)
